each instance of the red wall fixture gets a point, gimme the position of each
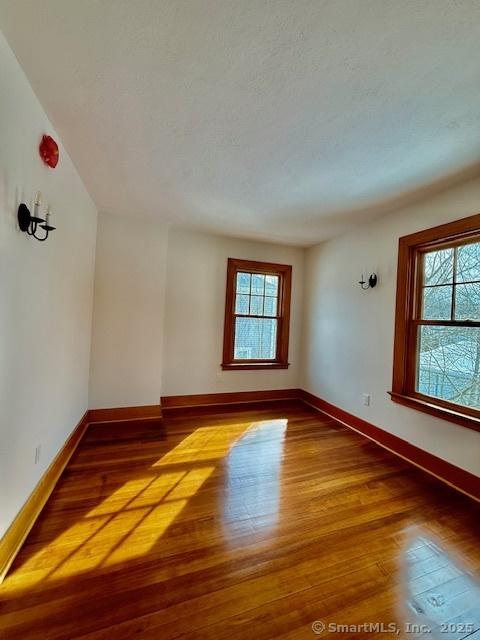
(49, 151)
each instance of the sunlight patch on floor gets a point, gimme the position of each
(205, 443)
(91, 552)
(123, 496)
(145, 535)
(129, 522)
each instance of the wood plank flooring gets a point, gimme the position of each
(249, 524)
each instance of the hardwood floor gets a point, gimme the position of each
(247, 524)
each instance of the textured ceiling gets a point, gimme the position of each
(287, 120)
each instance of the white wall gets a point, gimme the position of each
(348, 333)
(45, 296)
(126, 363)
(195, 311)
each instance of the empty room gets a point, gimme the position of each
(239, 319)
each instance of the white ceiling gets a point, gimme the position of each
(281, 119)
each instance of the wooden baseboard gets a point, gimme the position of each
(120, 414)
(458, 478)
(16, 534)
(173, 404)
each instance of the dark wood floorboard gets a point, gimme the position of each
(247, 524)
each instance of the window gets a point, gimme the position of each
(257, 315)
(437, 330)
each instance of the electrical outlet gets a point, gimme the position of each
(38, 451)
(366, 399)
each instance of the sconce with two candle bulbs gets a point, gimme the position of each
(29, 223)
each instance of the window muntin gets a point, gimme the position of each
(437, 326)
(257, 314)
(256, 294)
(256, 305)
(448, 353)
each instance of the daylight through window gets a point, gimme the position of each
(256, 315)
(437, 338)
(449, 356)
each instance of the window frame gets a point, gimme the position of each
(284, 273)
(411, 250)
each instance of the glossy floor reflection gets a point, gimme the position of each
(442, 595)
(253, 480)
(245, 524)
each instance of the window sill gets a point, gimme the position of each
(463, 419)
(267, 366)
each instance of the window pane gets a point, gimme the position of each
(241, 304)
(270, 306)
(467, 301)
(437, 303)
(255, 338)
(271, 285)
(438, 267)
(258, 284)
(256, 306)
(243, 283)
(468, 262)
(449, 364)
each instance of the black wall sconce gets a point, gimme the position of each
(371, 283)
(29, 224)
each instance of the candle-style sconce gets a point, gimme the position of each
(29, 223)
(371, 282)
